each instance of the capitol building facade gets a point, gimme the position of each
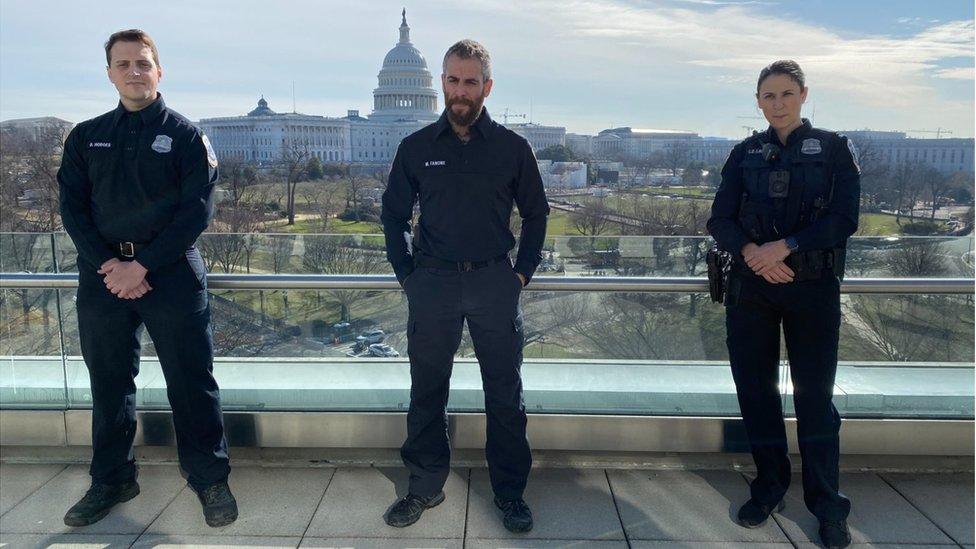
(403, 102)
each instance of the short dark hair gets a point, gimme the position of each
(784, 66)
(467, 49)
(131, 35)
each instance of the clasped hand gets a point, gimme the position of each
(767, 261)
(125, 279)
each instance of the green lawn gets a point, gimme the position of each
(335, 227)
(878, 224)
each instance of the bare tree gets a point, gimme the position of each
(938, 185)
(591, 218)
(335, 254)
(321, 199)
(906, 181)
(294, 162)
(676, 156)
(918, 258)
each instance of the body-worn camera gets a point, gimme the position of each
(779, 184)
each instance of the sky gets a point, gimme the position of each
(587, 65)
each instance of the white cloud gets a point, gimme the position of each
(957, 73)
(586, 64)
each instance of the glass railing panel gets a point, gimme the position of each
(27, 253)
(31, 366)
(260, 253)
(585, 352)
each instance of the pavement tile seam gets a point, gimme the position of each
(467, 509)
(616, 508)
(908, 500)
(163, 510)
(317, 505)
(42, 485)
(890, 483)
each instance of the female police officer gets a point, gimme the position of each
(786, 206)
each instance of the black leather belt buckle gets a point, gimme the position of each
(127, 249)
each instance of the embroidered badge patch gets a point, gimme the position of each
(811, 146)
(162, 144)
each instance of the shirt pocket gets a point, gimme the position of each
(157, 170)
(813, 170)
(101, 165)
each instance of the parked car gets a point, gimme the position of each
(372, 336)
(382, 350)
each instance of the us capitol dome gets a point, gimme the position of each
(405, 90)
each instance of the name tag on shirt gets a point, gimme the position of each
(99, 145)
(430, 163)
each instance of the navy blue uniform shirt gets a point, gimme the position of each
(466, 192)
(816, 158)
(145, 177)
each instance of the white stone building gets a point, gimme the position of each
(539, 136)
(562, 175)
(403, 102)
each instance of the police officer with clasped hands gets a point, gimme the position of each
(786, 206)
(136, 189)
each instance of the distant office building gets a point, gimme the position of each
(948, 155)
(630, 145)
(581, 145)
(539, 136)
(711, 151)
(636, 144)
(403, 102)
(30, 129)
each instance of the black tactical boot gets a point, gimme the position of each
(754, 515)
(834, 534)
(518, 516)
(98, 501)
(219, 505)
(408, 510)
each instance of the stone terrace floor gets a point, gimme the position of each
(323, 506)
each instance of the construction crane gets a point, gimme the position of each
(506, 115)
(938, 132)
(750, 129)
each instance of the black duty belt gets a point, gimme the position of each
(460, 266)
(129, 249)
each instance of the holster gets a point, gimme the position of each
(719, 262)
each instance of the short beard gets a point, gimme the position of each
(474, 110)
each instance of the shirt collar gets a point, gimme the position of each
(484, 124)
(147, 114)
(795, 135)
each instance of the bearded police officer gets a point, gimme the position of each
(466, 171)
(136, 186)
(787, 204)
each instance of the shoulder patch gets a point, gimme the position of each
(211, 155)
(854, 157)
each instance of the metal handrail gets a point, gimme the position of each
(914, 286)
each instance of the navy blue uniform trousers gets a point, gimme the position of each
(176, 314)
(809, 312)
(440, 301)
